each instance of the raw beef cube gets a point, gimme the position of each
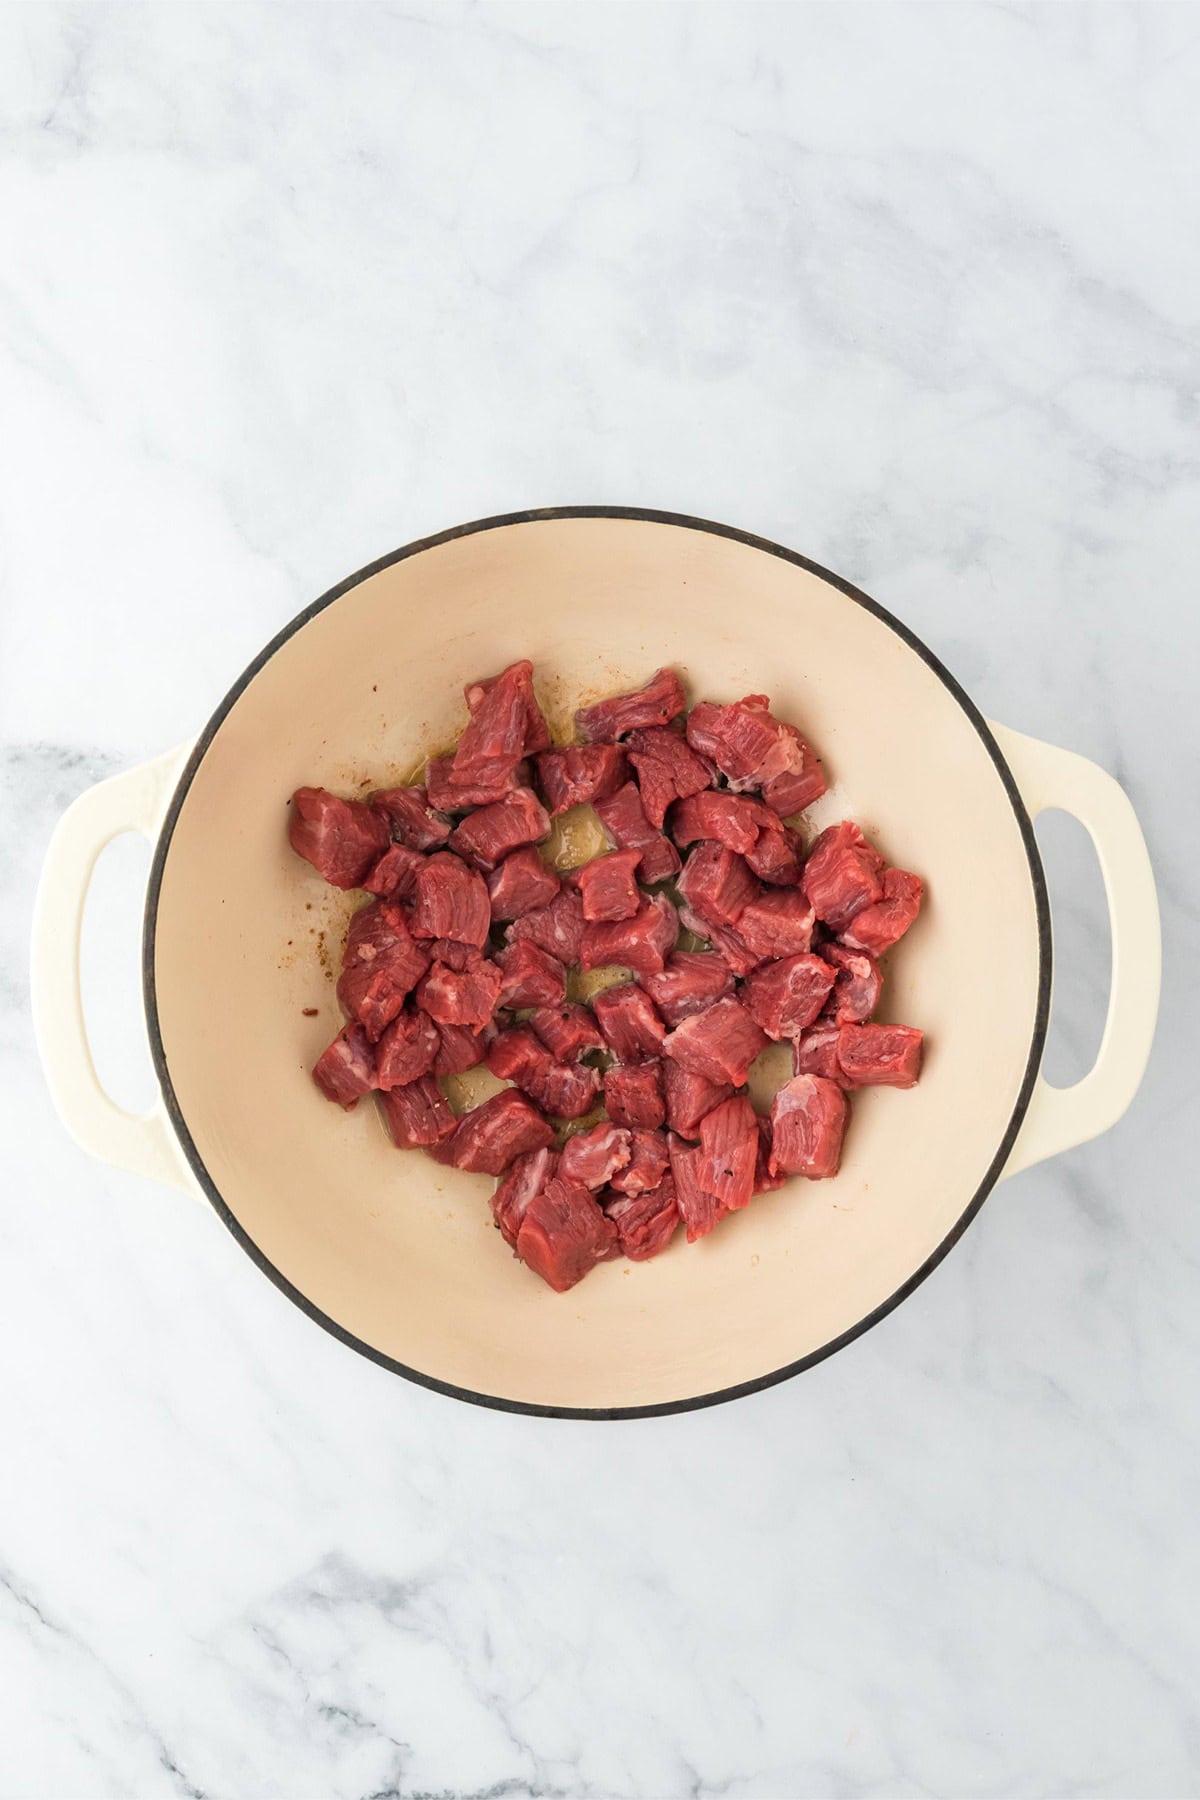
(487, 836)
(580, 775)
(564, 1234)
(778, 923)
(453, 954)
(856, 989)
(608, 885)
(394, 876)
(661, 700)
(461, 1048)
(567, 1090)
(689, 982)
(342, 839)
(880, 1055)
(646, 1222)
(729, 1141)
(594, 1157)
(808, 1119)
(346, 1071)
(631, 1026)
(634, 1096)
(719, 1044)
(668, 769)
(792, 776)
(785, 997)
(488, 1138)
(815, 1052)
(414, 823)
(451, 901)
(520, 675)
(530, 976)
(640, 943)
(735, 820)
(717, 884)
(493, 742)
(567, 1030)
(527, 1176)
(556, 928)
(522, 883)
(417, 1115)
(764, 1181)
(738, 738)
(699, 1209)
(732, 949)
(842, 875)
(461, 997)
(452, 795)
(646, 1166)
(380, 967)
(690, 1097)
(878, 926)
(407, 1049)
(624, 818)
(775, 857)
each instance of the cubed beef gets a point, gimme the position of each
(808, 1119)
(624, 818)
(719, 1044)
(728, 945)
(815, 1052)
(880, 1055)
(520, 677)
(451, 901)
(842, 875)
(453, 954)
(646, 1222)
(608, 886)
(595, 1156)
(777, 923)
(717, 884)
(689, 981)
(735, 820)
(690, 1097)
(556, 928)
(461, 996)
(460, 1048)
(494, 740)
(451, 795)
(505, 1126)
(646, 1165)
(381, 966)
(529, 975)
(668, 769)
(346, 1071)
(792, 774)
(661, 700)
(521, 884)
(775, 857)
(784, 997)
(580, 775)
(342, 839)
(878, 926)
(565, 1090)
(413, 821)
(633, 1094)
(729, 1142)
(527, 1175)
(640, 943)
(631, 1026)
(394, 876)
(564, 1234)
(856, 989)
(417, 1116)
(764, 1181)
(487, 836)
(407, 1049)
(567, 1030)
(738, 738)
(699, 1209)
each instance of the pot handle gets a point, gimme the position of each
(134, 801)
(1060, 1118)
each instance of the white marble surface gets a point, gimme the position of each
(912, 289)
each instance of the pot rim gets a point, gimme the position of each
(501, 1403)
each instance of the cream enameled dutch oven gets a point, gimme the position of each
(396, 1255)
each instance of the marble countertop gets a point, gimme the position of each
(911, 289)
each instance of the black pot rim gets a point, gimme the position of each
(497, 1402)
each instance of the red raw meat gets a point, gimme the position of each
(633, 1094)
(731, 948)
(668, 769)
(594, 1157)
(646, 1222)
(719, 1044)
(738, 738)
(880, 1055)
(453, 954)
(785, 997)
(521, 884)
(487, 836)
(842, 875)
(488, 1138)
(381, 966)
(520, 674)
(407, 1049)
(529, 975)
(608, 886)
(815, 1052)
(451, 901)
(717, 884)
(417, 1116)
(556, 927)
(461, 997)
(494, 740)
(580, 775)
(796, 778)
(808, 1119)
(640, 943)
(346, 1071)
(764, 1181)
(775, 857)
(857, 988)
(566, 1090)
(461, 1048)
(661, 700)
(413, 821)
(394, 876)
(689, 1097)
(454, 796)
(689, 982)
(645, 1167)
(567, 1030)
(878, 926)
(778, 923)
(564, 1234)
(527, 1175)
(342, 839)
(624, 818)
(735, 820)
(729, 1142)
(631, 1026)
(699, 1209)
